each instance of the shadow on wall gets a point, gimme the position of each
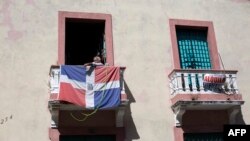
(239, 118)
(130, 128)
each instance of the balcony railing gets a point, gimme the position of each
(204, 90)
(192, 82)
(54, 81)
(56, 105)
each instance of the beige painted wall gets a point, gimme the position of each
(28, 37)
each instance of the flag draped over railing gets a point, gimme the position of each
(97, 87)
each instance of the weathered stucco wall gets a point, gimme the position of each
(141, 38)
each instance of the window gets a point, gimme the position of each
(193, 48)
(203, 137)
(87, 138)
(193, 44)
(83, 36)
(84, 40)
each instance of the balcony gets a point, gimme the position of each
(57, 106)
(190, 91)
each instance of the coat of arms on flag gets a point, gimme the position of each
(98, 88)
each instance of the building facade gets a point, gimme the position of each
(183, 68)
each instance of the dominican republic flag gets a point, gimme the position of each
(99, 87)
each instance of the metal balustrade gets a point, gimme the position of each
(192, 82)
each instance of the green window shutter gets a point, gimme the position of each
(203, 137)
(193, 49)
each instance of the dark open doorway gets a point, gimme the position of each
(84, 39)
(88, 138)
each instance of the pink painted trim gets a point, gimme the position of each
(175, 51)
(124, 97)
(53, 97)
(194, 24)
(62, 15)
(178, 134)
(54, 134)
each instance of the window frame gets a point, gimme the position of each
(62, 15)
(192, 24)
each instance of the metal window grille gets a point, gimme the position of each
(203, 137)
(193, 49)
